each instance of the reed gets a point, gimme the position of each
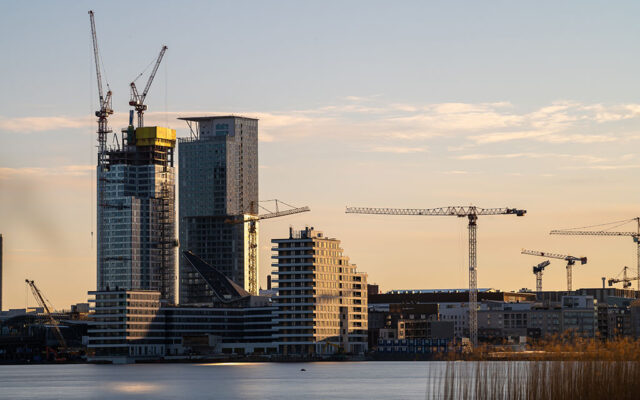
(558, 369)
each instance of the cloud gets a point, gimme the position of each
(578, 157)
(396, 149)
(365, 117)
(66, 170)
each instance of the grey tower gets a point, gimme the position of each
(218, 183)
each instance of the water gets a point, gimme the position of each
(281, 381)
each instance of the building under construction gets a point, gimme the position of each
(136, 219)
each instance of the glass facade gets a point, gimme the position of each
(218, 182)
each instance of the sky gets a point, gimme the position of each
(407, 104)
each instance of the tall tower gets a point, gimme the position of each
(136, 213)
(218, 181)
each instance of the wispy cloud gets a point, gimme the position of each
(66, 170)
(357, 117)
(396, 149)
(580, 157)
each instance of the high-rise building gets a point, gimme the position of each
(322, 298)
(218, 184)
(136, 213)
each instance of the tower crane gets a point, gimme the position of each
(43, 303)
(105, 100)
(252, 236)
(626, 281)
(634, 235)
(571, 261)
(137, 100)
(469, 212)
(537, 270)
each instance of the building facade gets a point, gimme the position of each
(136, 213)
(322, 298)
(130, 325)
(218, 180)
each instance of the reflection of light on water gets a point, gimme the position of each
(132, 387)
(222, 364)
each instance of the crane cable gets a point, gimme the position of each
(620, 223)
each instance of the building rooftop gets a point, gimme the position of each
(210, 117)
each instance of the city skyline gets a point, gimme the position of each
(422, 115)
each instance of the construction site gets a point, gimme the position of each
(178, 267)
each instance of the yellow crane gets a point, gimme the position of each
(252, 220)
(469, 212)
(43, 303)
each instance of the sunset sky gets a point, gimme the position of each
(424, 104)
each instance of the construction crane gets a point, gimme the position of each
(470, 212)
(105, 101)
(137, 100)
(43, 303)
(252, 236)
(634, 235)
(626, 281)
(571, 261)
(537, 270)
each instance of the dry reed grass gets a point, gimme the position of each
(558, 369)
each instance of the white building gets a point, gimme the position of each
(322, 298)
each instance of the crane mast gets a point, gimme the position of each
(537, 271)
(105, 101)
(41, 301)
(252, 230)
(634, 235)
(471, 213)
(571, 261)
(137, 100)
(626, 281)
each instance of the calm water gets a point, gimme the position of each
(362, 380)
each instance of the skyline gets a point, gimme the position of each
(376, 122)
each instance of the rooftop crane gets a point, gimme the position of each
(626, 281)
(105, 101)
(634, 235)
(470, 212)
(537, 270)
(41, 301)
(137, 100)
(571, 260)
(252, 220)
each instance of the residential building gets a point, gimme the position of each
(218, 187)
(136, 217)
(322, 298)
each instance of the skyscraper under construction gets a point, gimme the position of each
(136, 212)
(218, 181)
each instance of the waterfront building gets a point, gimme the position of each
(218, 182)
(322, 298)
(136, 213)
(130, 325)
